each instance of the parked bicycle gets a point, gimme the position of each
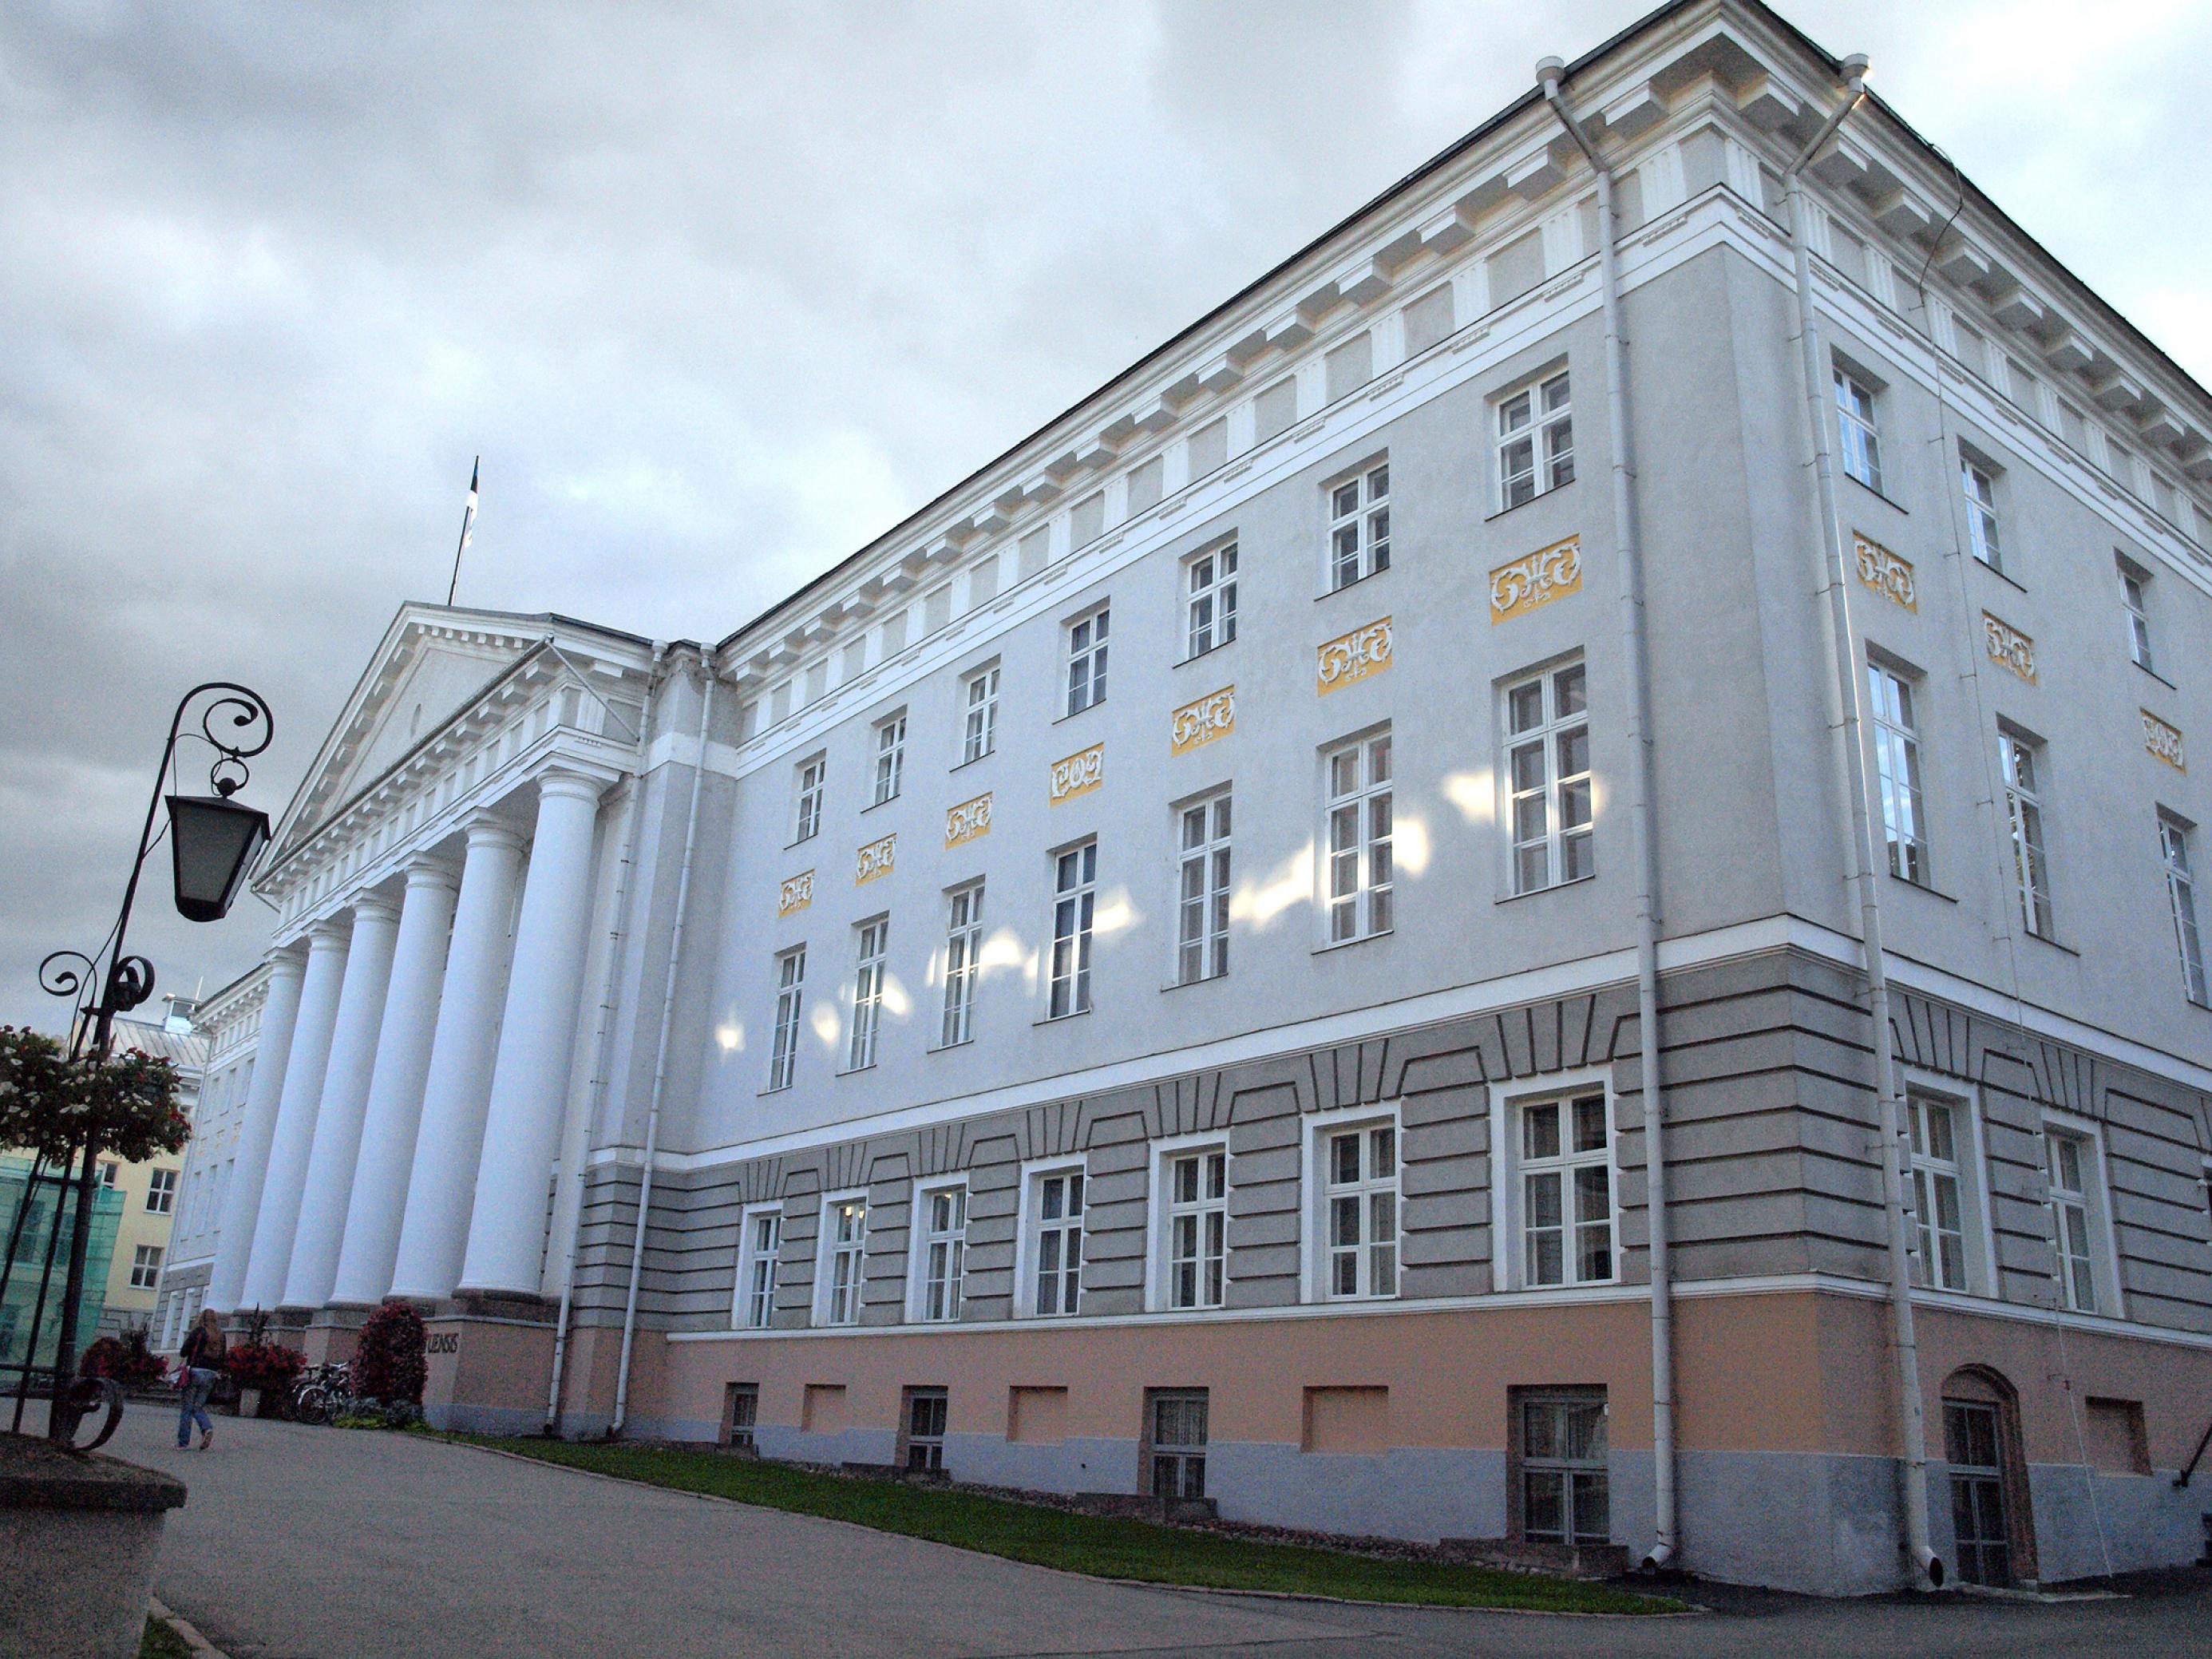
(321, 1394)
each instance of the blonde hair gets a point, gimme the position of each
(211, 1323)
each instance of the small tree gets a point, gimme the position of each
(392, 1363)
(125, 1104)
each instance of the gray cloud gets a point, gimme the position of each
(719, 294)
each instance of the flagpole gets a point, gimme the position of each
(468, 523)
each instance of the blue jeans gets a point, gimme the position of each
(199, 1384)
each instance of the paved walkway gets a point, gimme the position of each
(321, 1544)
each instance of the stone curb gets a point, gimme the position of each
(1690, 1611)
(185, 1627)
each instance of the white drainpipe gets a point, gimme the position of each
(1636, 661)
(1847, 712)
(661, 1062)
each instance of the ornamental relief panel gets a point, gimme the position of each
(798, 892)
(1885, 572)
(876, 859)
(1350, 658)
(969, 821)
(2008, 647)
(1077, 775)
(2163, 741)
(1531, 583)
(1197, 724)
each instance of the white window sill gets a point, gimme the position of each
(1326, 594)
(1346, 944)
(1210, 651)
(1541, 495)
(1549, 887)
(1062, 1020)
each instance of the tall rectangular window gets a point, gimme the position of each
(2070, 1160)
(963, 958)
(790, 995)
(1074, 902)
(874, 940)
(1359, 525)
(1196, 1191)
(1202, 891)
(1174, 1440)
(1056, 1243)
(1938, 1195)
(762, 1244)
(1566, 1193)
(1560, 1440)
(1548, 769)
(813, 775)
(1209, 599)
(980, 734)
(845, 1247)
(1535, 440)
(1897, 762)
(890, 757)
(1862, 444)
(161, 1192)
(1086, 660)
(944, 1212)
(2134, 601)
(1979, 483)
(2020, 757)
(146, 1267)
(2173, 835)
(1359, 838)
(743, 1410)
(1360, 1202)
(923, 1431)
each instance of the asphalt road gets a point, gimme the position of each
(303, 1543)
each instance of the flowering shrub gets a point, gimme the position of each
(390, 1364)
(125, 1358)
(52, 1104)
(264, 1364)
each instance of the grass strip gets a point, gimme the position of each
(1105, 1547)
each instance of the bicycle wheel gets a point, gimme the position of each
(313, 1406)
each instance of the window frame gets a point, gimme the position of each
(963, 936)
(1360, 799)
(146, 1258)
(1984, 538)
(1081, 941)
(1891, 736)
(2175, 833)
(1519, 1400)
(1970, 1164)
(162, 1190)
(1163, 1211)
(785, 1034)
(887, 777)
(911, 1440)
(1317, 1248)
(749, 1258)
(1370, 548)
(1084, 665)
(1218, 594)
(1536, 431)
(2102, 1253)
(1215, 856)
(1861, 460)
(810, 783)
(1029, 1234)
(828, 1246)
(864, 1039)
(979, 716)
(1185, 1453)
(921, 1241)
(2025, 827)
(1559, 786)
(2135, 605)
(1507, 1101)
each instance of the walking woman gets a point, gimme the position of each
(202, 1357)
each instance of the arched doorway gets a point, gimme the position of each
(1991, 1521)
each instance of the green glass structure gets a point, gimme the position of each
(17, 1304)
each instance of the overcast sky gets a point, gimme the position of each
(720, 293)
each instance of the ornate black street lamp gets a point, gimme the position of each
(214, 841)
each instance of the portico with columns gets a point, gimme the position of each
(446, 876)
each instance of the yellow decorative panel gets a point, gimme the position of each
(1885, 572)
(2164, 741)
(1197, 724)
(1350, 658)
(969, 821)
(1529, 584)
(798, 893)
(1078, 774)
(876, 859)
(2008, 647)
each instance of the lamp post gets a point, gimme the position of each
(214, 841)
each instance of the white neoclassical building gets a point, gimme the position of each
(1537, 883)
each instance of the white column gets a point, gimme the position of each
(530, 1086)
(295, 1136)
(329, 1184)
(395, 1094)
(272, 1048)
(434, 1228)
